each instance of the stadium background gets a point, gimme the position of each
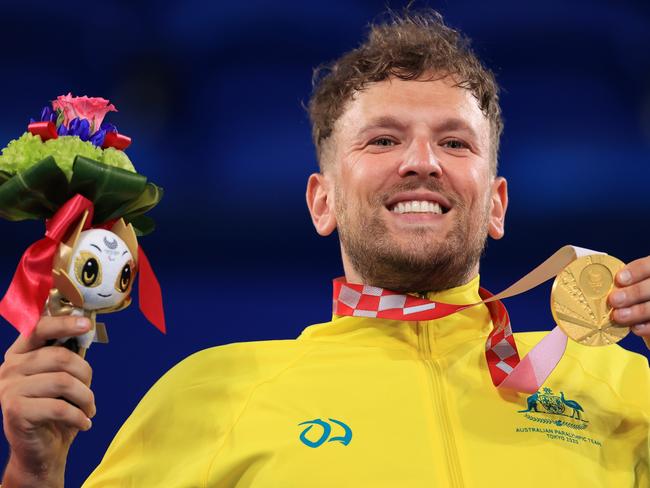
(211, 94)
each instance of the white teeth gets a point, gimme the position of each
(417, 206)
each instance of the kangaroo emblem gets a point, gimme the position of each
(545, 401)
(532, 403)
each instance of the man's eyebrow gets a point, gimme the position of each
(454, 124)
(390, 122)
(96, 246)
(384, 122)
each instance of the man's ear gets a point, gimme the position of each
(321, 203)
(498, 207)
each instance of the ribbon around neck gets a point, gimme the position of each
(507, 370)
(25, 298)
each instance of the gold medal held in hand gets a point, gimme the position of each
(579, 300)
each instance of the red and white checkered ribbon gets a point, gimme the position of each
(506, 368)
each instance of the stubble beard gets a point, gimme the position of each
(423, 262)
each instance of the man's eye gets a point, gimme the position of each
(383, 141)
(455, 144)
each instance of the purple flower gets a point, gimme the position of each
(79, 127)
(108, 127)
(84, 130)
(48, 115)
(98, 137)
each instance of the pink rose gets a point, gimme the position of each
(93, 109)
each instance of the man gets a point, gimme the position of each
(407, 130)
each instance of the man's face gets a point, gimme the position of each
(409, 185)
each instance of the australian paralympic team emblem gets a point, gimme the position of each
(322, 432)
(545, 402)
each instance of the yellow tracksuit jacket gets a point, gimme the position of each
(359, 402)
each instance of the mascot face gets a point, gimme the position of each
(102, 268)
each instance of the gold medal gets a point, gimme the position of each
(579, 300)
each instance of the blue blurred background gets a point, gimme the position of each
(211, 94)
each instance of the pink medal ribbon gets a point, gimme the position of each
(506, 368)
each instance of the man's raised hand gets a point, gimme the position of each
(631, 298)
(46, 399)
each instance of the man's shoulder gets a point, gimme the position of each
(237, 364)
(626, 372)
(623, 357)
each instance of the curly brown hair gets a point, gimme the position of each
(407, 46)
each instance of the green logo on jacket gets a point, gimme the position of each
(325, 431)
(545, 402)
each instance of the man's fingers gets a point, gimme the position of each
(32, 412)
(633, 272)
(58, 385)
(631, 301)
(630, 295)
(51, 359)
(642, 330)
(636, 314)
(49, 328)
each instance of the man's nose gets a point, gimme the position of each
(420, 160)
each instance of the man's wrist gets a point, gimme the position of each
(16, 475)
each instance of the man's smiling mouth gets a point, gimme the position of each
(415, 206)
(418, 202)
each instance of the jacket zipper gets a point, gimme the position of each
(436, 382)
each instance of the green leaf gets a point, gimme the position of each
(107, 187)
(34, 193)
(142, 224)
(147, 200)
(59, 117)
(40, 190)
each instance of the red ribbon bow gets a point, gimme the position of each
(23, 303)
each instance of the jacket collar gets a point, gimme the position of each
(443, 335)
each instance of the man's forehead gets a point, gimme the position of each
(403, 101)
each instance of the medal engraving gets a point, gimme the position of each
(579, 300)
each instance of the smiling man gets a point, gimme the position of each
(407, 131)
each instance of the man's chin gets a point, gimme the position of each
(418, 246)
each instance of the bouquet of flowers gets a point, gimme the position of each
(70, 169)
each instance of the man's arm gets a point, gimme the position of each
(179, 433)
(46, 399)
